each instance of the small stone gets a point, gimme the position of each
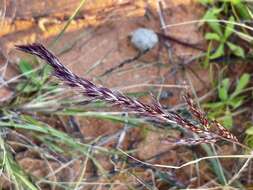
(144, 39)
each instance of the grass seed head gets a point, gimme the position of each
(154, 111)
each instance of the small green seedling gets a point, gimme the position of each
(228, 102)
(221, 17)
(221, 36)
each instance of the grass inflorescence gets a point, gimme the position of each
(154, 111)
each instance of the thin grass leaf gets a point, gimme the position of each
(242, 9)
(26, 68)
(236, 50)
(212, 36)
(241, 84)
(218, 52)
(223, 89)
(229, 28)
(16, 174)
(212, 15)
(68, 22)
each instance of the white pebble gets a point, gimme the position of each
(144, 39)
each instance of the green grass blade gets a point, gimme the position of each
(68, 22)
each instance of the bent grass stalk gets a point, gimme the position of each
(209, 131)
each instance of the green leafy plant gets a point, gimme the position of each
(220, 36)
(223, 39)
(228, 102)
(239, 8)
